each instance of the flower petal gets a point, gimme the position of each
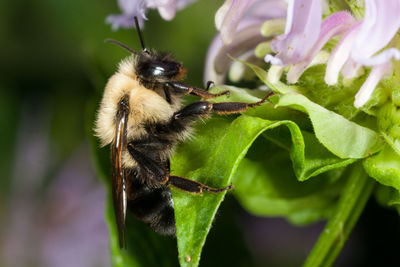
(340, 55)
(221, 14)
(228, 16)
(351, 69)
(335, 24)
(166, 9)
(380, 24)
(130, 9)
(138, 8)
(370, 83)
(210, 73)
(247, 37)
(120, 21)
(302, 31)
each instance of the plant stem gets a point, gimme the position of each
(352, 202)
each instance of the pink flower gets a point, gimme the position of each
(138, 8)
(231, 12)
(239, 23)
(360, 45)
(300, 34)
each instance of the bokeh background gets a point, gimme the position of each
(54, 65)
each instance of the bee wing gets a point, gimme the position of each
(118, 181)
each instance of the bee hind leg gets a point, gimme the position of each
(160, 174)
(150, 168)
(194, 187)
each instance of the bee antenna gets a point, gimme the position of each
(140, 34)
(124, 46)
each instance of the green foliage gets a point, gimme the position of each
(264, 184)
(290, 159)
(385, 167)
(308, 155)
(342, 137)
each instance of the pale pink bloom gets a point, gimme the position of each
(239, 23)
(302, 30)
(371, 82)
(361, 44)
(138, 8)
(334, 25)
(231, 12)
(381, 22)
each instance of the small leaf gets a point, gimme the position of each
(342, 137)
(384, 167)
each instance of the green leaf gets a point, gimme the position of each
(342, 137)
(338, 98)
(213, 156)
(309, 156)
(384, 167)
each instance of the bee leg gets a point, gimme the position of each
(203, 108)
(196, 109)
(151, 168)
(209, 85)
(237, 107)
(167, 95)
(194, 187)
(182, 88)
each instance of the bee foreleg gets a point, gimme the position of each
(194, 187)
(203, 108)
(237, 107)
(196, 109)
(182, 88)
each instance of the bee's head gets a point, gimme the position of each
(152, 66)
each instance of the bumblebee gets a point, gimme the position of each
(142, 117)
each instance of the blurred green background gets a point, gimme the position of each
(54, 65)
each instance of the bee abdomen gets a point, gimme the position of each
(154, 206)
